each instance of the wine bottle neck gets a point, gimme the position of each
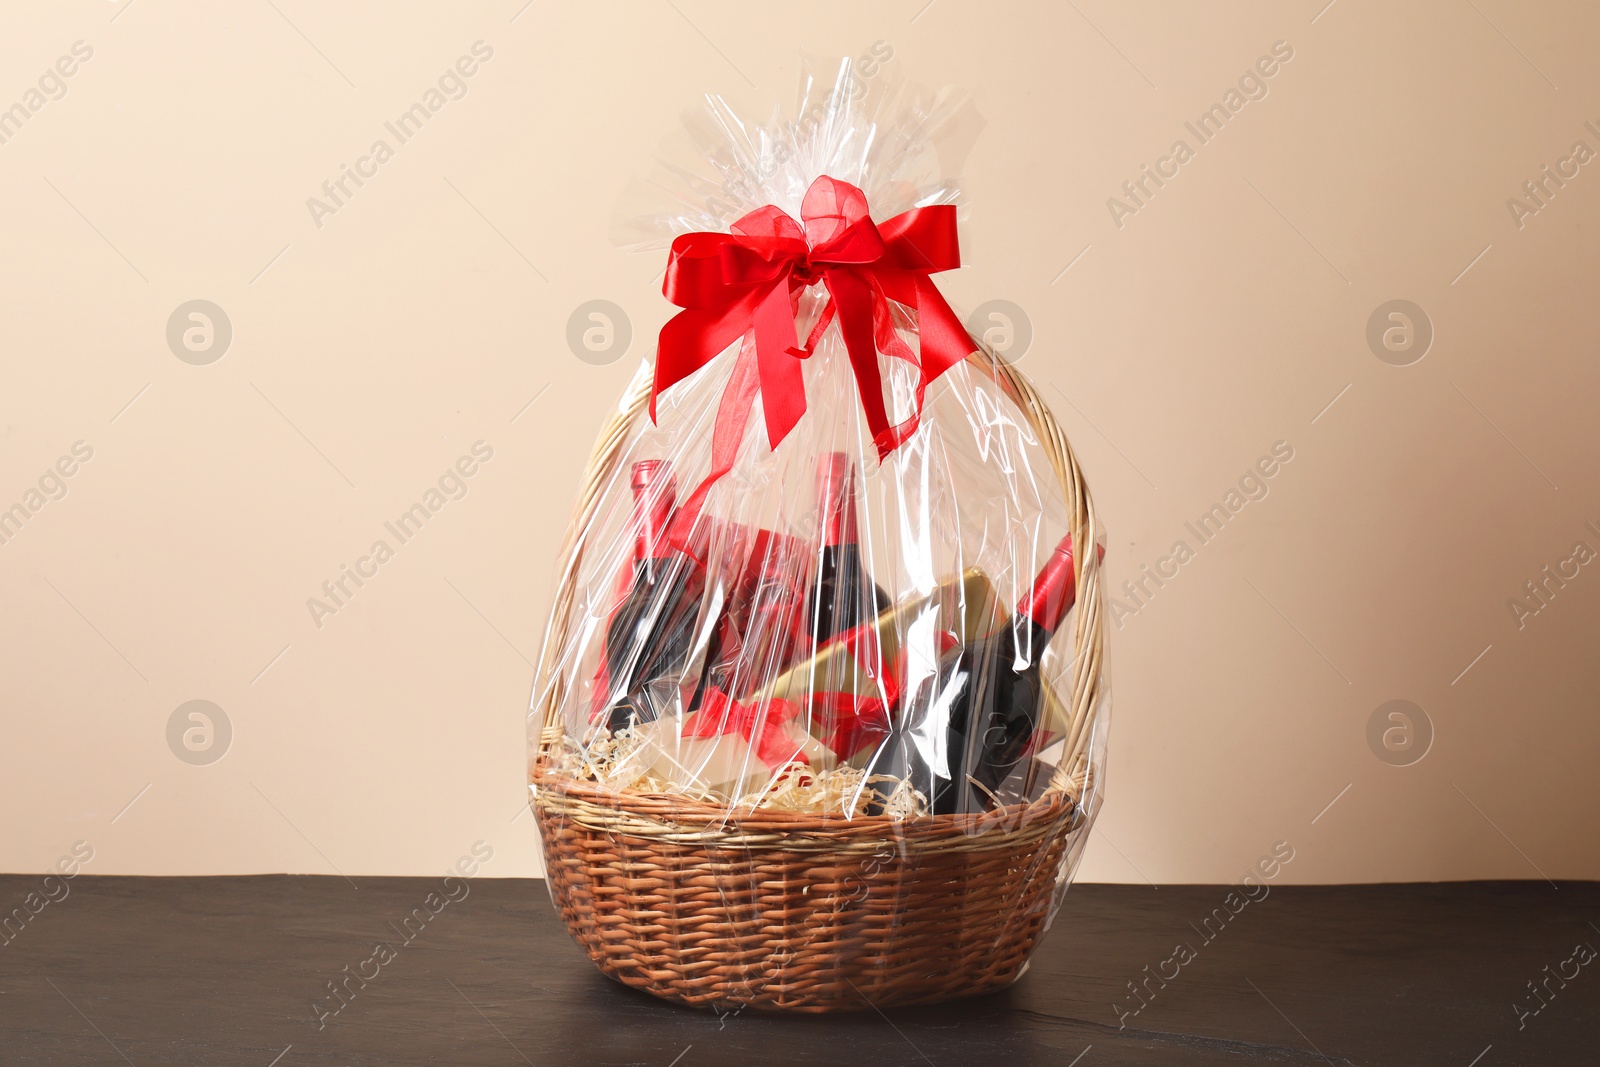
(1028, 640)
(1053, 591)
(655, 497)
(836, 500)
(666, 564)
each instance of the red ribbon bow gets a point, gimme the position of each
(764, 725)
(747, 284)
(850, 721)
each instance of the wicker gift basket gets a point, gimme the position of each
(803, 912)
(730, 901)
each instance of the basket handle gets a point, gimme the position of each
(1071, 775)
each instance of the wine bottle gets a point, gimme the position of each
(972, 718)
(842, 596)
(767, 612)
(650, 634)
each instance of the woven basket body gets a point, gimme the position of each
(798, 912)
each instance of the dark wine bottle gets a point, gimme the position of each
(650, 634)
(766, 614)
(842, 595)
(972, 718)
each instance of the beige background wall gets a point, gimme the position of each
(1226, 314)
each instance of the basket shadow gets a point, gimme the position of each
(983, 1029)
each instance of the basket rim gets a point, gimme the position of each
(688, 821)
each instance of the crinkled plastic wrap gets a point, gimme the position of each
(834, 661)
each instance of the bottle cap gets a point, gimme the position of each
(646, 471)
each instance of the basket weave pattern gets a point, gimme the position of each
(804, 912)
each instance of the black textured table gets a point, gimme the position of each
(225, 971)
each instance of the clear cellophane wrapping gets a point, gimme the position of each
(831, 632)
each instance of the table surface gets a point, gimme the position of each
(225, 971)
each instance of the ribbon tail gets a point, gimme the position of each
(854, 298)
(694, 337)
(783, 390)
(944, 340)
(733, 416)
